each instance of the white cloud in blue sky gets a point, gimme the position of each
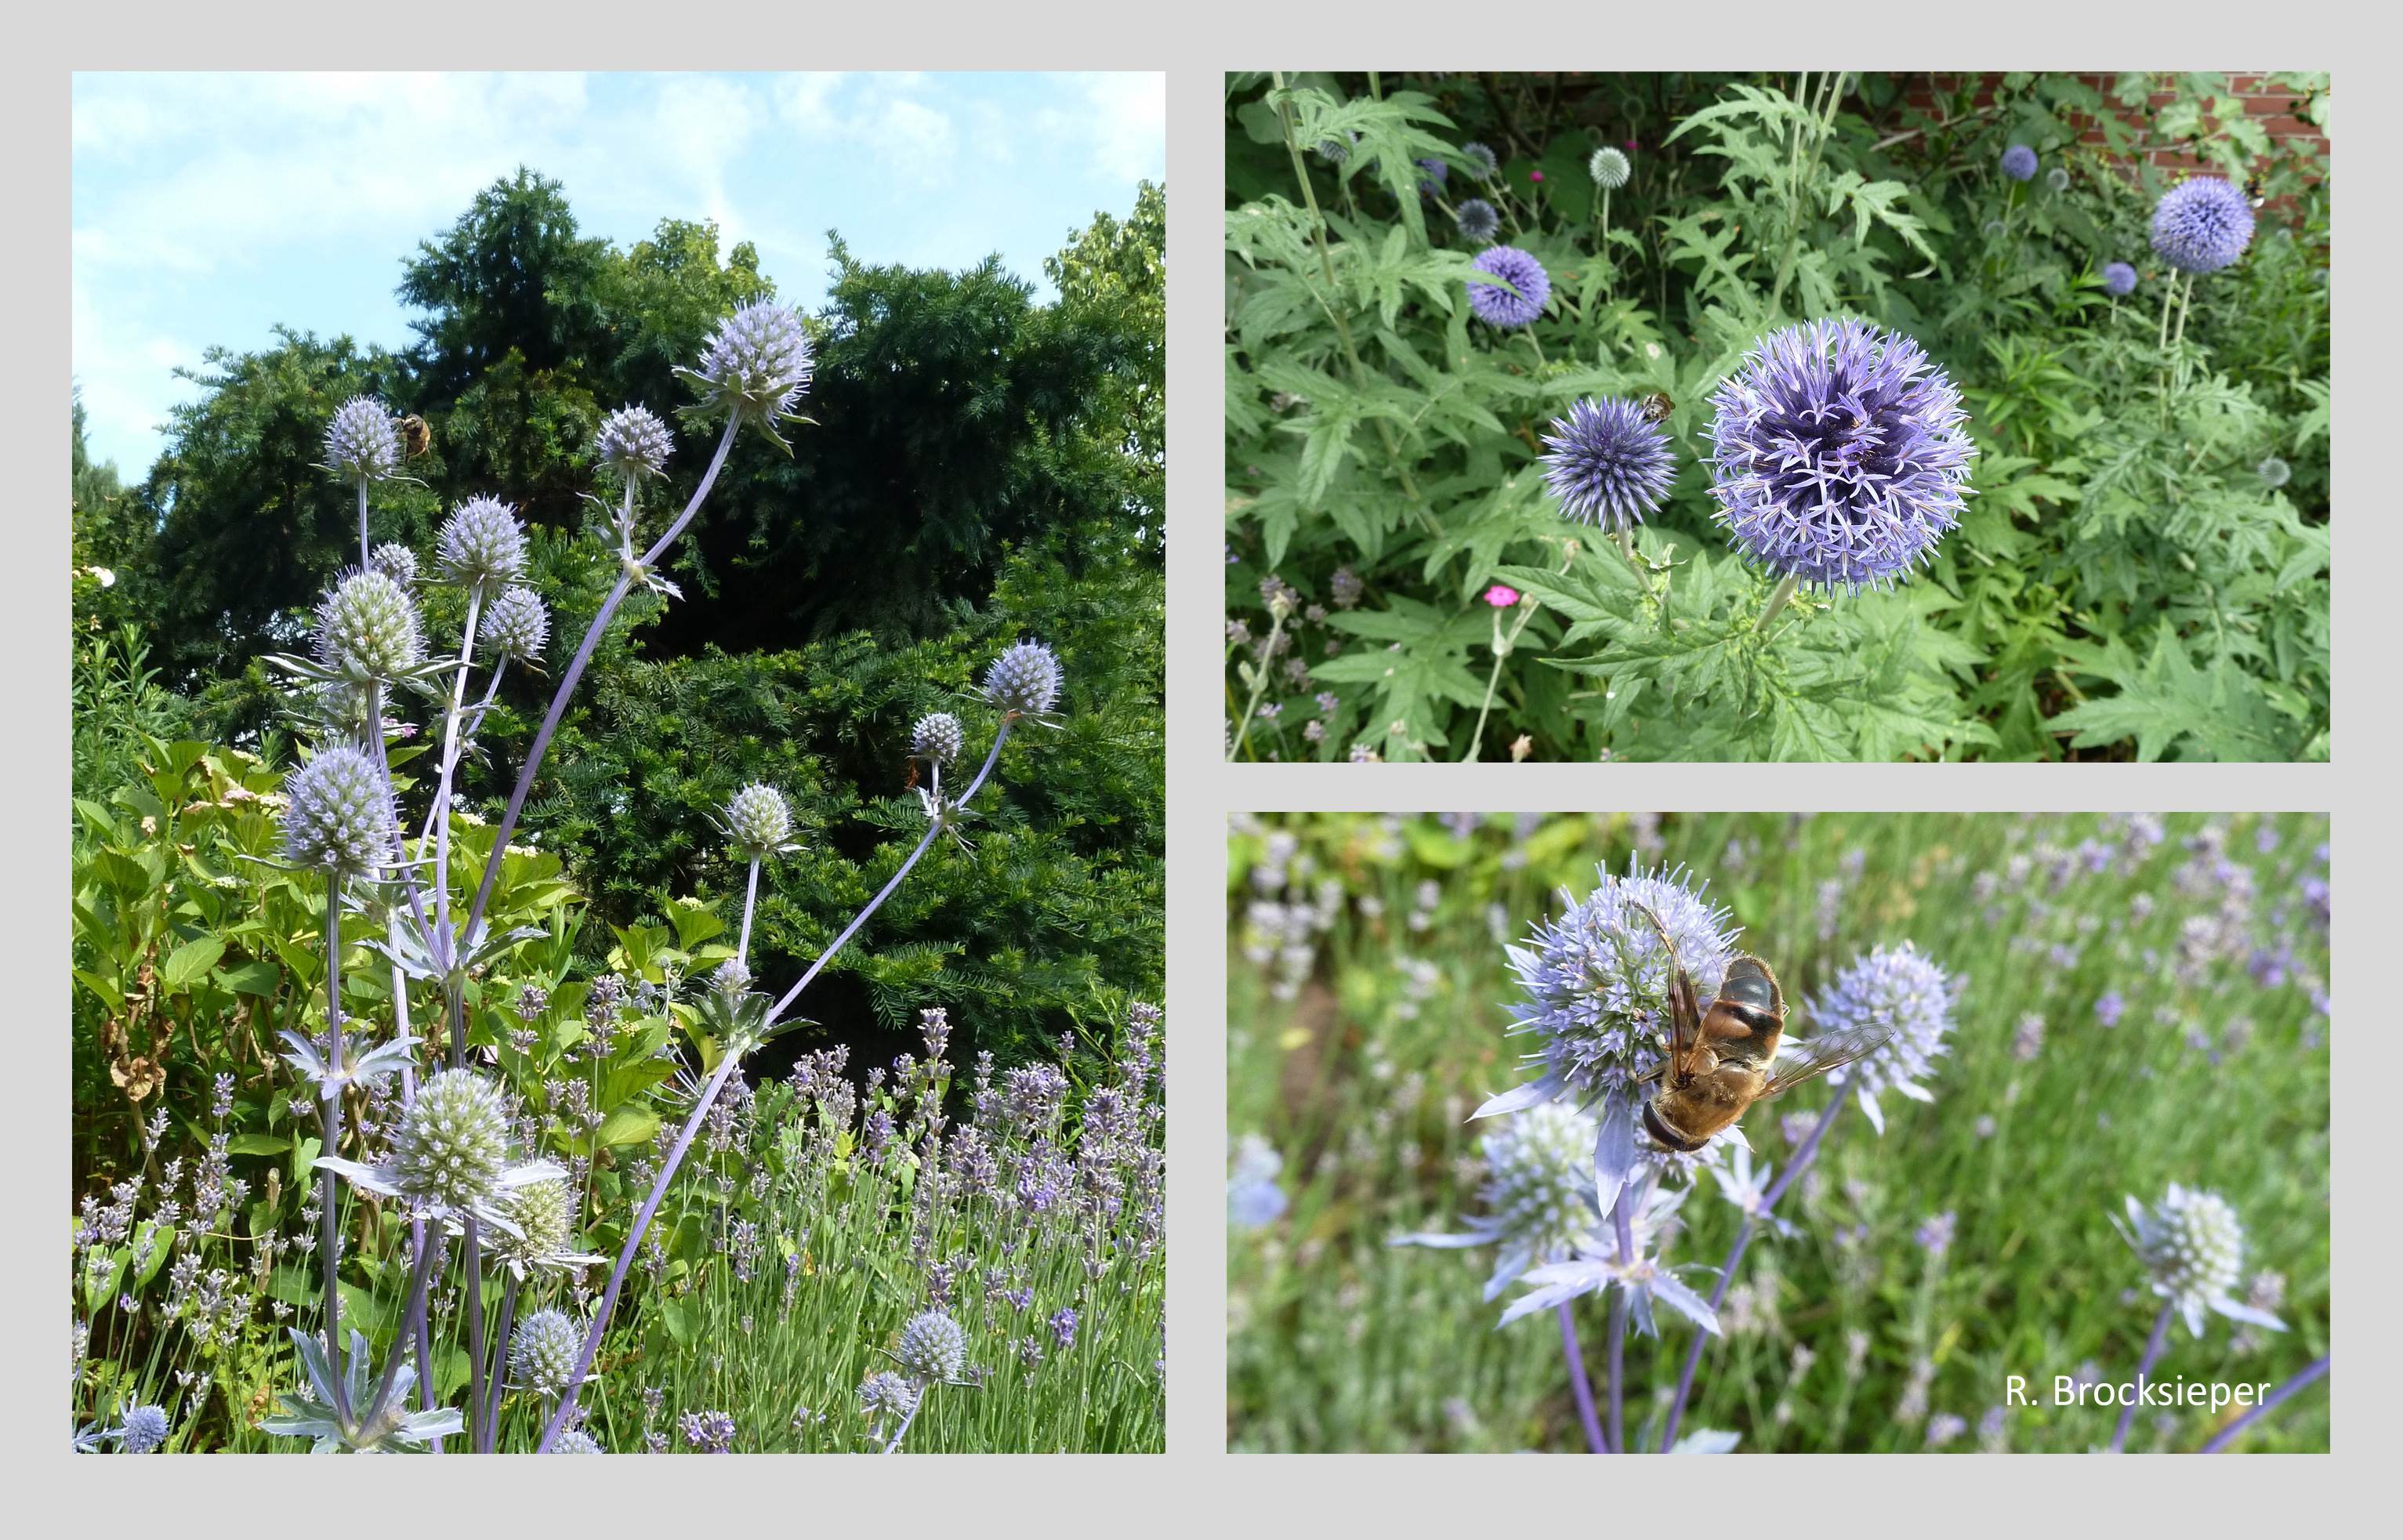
(210, 207)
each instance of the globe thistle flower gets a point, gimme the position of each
(755, 366)
(2274, 472)
(1480, 160)
(1644, 1276)
(542, 1216)
(1478, 219)
(633, 442)
(935, 739)
(1839, 456)
(2057, 179)
(2019, 162)
(2119, 279)
(1254, 1199)
(885, 1394)
(1538, 1194)
(2201, 225)
(396, 562)
(1597, 987)
(577, 1441)
(451, 1156)
(2193, 1246)
(1498, 307)
(482, 545)
(361, 444)
(1609, 168)
(542, 1353)
(1608, 464)
(145, 1428)
(368, 630)
(1896, 988)
(1025, 681)
(933, 1350)
(517, 625)
(1434, 175)
(338, 813)
(757, 822)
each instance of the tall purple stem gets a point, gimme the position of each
(1624, 1223)
(2144, 1367)
(2227, 1436)
(1580, 1386)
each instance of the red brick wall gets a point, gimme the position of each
(2277, 109)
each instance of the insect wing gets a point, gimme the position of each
(1798, 1061)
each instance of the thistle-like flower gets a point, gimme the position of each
(1480, 159)
(2193, 1246)
(2119, 279)
(886, 1394)
(2202, 225)
(361, 444)
(543, 1351)
(933, 1350)
(1497, 306)
(634, 443)
(2057, 179)
(2019, 162)
(758, 823)
(542, 1215)
(1896, 988)
(452, 1158)
(2274, 472)
(577, 1441)
(1538, 1194)
(517, 625)
(1839, 454)
(1645, 1277)
(482, 545)
(1609, 168)
(1433, 174)
(368, 630)
(935, 740)
(1025, 681)
(1608, 464)
(338, 813)
(1478, 219)
(396, 562)
(1597, 984)
(145, 1428)
(756, 366)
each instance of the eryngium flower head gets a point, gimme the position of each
(396, 562)
(756, 363)
(2201, 225)
(1609, 168)
(757, 822)
(1539, 1193)
(2274, 472)
(145, 1428)
(1899, 988)
(1478, 219)
(633, 442)
(885, 1394)
(2057, 179)
(1607, 464)
(2191, 1243)
(368, 628)
(338, 812)
(1597, 985)
(1839, 454)
(453, 1144)
(2119, 278)
(1480, 160)
(361, 444)
(543, 1214)
(543, 1351)
(577, 1441)
(517, 625)
(933, 1348)
(1498, 307)
(935, 739)
(2019, 162)
(1025, 681)
(481, 545)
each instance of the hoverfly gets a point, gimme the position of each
(415, 436)
(1656, 407)
(1725, 1055)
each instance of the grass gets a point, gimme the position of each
(1359, 1052)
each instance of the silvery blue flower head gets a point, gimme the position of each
(1480, 160)
(935, 740)
(885, 1394)
(1839, 454)
(1597, 1001)
(933, 1350)
(1597, 1267)
(2119, 279)
(396, 562)
(1498, 307)
(755, 366)
(2274, 472)
(1478, 219)
(361, 444)
(450, 1157)
(543, 1351)
(338, 813)
(757, 822)
(517, 625)
(2057, 179)
(145, 1428)
(542, 1216)
(1539, 1193)
(1609, 168)
(2193, 1246)
(482, 545)
(368, 630)
(1607, 464)
(1897, 988)
(1025, 681)
(577, 1441)
(633, 442)
(2019, 162)
(2201, 225)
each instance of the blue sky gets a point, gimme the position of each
(210, 207)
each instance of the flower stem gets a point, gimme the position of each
(488, 1425)
(1778, 599)
(911, 1416)
(362, 524)
(329, 1112)
(1623, 1221)
(2220, 1440)
(2144, 1367)
(1259, 679)
(1580, 1386)
(750, 901)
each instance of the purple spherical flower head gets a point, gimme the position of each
(2019, 162)
(1608, 465)
(2119, 279)
(1838, 453)
(1478, 219)
(1498, 307)
(2202, 225)
(1900, 990)
(1436, 175)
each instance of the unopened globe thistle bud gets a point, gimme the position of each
(361, 444)
(338, 813)
(543, 1351)
(758, 821)
(517, 625)
(1025, 681)
(732, 978)
(145, 1429)
(1478, 219)
(577, 1441)
(396, 562)
(368, 628)
(481, 545)
(756, 363)
(1609, 168)
(1480, 159)
(933, 1350)
(633, 442)
(453, 1143)
(2274, 472)
(935, 739)
(541, 1212)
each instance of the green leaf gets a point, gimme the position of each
(188, 964)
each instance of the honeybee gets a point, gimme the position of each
(1725, 1055)
(415, 436)
(1656, 407)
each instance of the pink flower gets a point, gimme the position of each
(1534, 176)
(1501, 596)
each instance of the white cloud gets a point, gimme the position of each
(887, 116)
(1129, 123)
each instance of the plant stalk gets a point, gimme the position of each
(2144, 1367)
